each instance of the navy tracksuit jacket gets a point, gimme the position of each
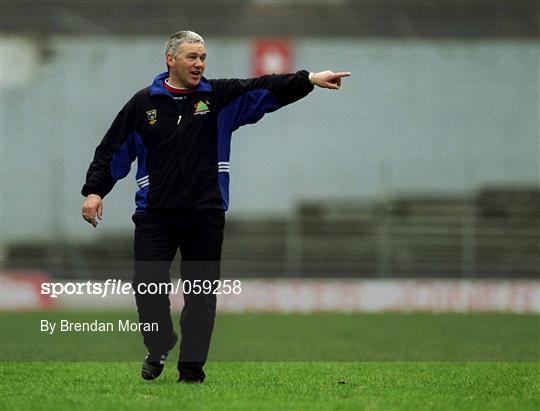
(183, 156)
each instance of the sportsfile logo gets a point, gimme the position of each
(119, 287)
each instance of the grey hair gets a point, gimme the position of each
(185, 36)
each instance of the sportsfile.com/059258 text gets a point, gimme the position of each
(119, 287)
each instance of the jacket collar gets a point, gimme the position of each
(158, 88)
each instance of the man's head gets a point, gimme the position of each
(185, 56)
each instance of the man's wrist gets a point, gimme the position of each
(310, 77)
(93, 195)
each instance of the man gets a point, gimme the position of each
(179, 129)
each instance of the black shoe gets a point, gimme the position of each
(191, 372)
(154, 363)
(186, 381)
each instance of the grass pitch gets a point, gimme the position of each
(322, 337)
(274, 362)
(275, 386)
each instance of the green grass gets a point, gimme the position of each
(277, 361)
(294, 337)
(275, 386)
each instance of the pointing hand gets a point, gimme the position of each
(328, 79)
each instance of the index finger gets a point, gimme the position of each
(343, 74)
(89, 216)
(91, 221)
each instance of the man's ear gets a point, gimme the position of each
(169, 60)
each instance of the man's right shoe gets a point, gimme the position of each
(154, 363)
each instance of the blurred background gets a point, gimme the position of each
(424, 165)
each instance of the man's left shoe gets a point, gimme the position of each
(186, 381)
(191, 372)
(153, 364)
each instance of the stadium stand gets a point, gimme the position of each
(494, 233)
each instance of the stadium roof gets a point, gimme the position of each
(349, 18)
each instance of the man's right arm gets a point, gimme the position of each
(112, 161)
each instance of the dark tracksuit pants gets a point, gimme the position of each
(199, 236)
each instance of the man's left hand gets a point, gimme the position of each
(328, 79)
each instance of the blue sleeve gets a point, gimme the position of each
(250, 108)
(247, 101)
(114, 155)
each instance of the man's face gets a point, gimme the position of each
(187, 67)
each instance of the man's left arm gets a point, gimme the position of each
(247, 101)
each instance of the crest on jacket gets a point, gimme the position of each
(151, 115)
(202, 107)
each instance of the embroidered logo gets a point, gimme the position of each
(151, 115)
(202, 107)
